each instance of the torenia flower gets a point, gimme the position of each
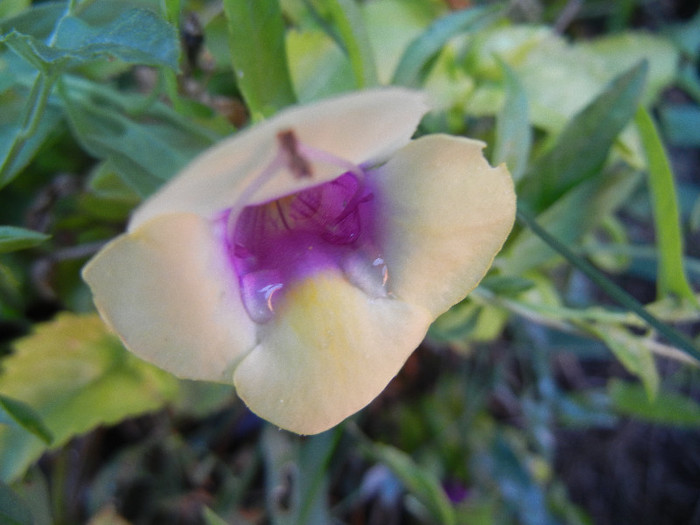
(304, 259)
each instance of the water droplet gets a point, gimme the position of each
(260, 292)
(369, 274)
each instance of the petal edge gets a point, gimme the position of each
(444, 215)
(329, 352)
(166, 291)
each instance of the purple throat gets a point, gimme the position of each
(326, 227)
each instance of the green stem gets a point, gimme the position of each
(615, 292)
(36, 104)
(171, 12)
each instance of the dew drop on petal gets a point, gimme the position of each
(260, 291)
(370, 274)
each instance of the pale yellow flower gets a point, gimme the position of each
(304, 259)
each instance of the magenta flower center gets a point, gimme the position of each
(330, 226)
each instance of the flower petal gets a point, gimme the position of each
(169, 293)
(329, 351)
(360, 128)
(444, 214)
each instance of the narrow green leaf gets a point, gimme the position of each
(573, 215)
(75, 375)
(422, 50)
(513, 132)
(419, 482)
(583, 146)
(667, 408)
(13, 511)
(137, 36)
(319, 68)
(256, 39)
(13, 238)
(671, 277)
(614, 291)
(351, 28)
(15, 412)
(632, 353)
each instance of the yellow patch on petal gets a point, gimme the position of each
(328, 352)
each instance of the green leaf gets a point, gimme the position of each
(621, 51)
(14, 412)
(392, 25)
(687, 37)
(9, 133)
(667, 408)
(172, 10)
(13, 238)
(319, 68)
(418, 481)
(13, 511)
(632, 353)
(506, 285)
(137, 36)
(101, 121)
(39, 20)
(573, 215)
(11, 7)
(418, 55)
(671, 277)
(353, 34)
(76, 376)
(513, 133)
(256, 39)
(583, 146)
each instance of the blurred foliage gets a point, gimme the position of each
(587, 322)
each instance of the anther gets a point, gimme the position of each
(289, 147)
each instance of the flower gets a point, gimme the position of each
(304, 258)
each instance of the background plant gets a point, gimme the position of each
(570, 370)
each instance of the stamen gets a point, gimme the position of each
(297, 157)
(289, 145)
(328, 158)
